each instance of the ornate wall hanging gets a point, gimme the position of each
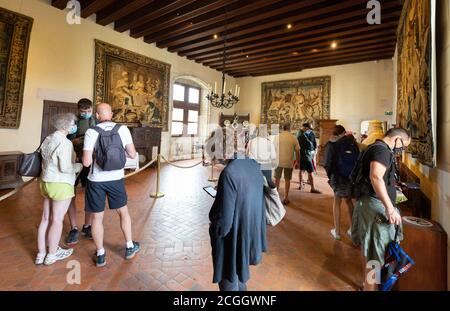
(414, 111)
(136, 86)
(296, 101)
(15, 32)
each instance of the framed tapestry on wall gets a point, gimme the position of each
(136, 86)
(414, 79)
(15, 32)
(296, 101)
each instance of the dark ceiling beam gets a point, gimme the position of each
(384, 48)
(300, 67)
(217, 16)
(343, 42)
(149, 12)
(119, 10)
(60, 4)
(253, 23)
(93, 6)
(341, 26)
(316, 65)
(279, 31)
(201, 7)
(322, 53)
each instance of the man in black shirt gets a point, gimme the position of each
(375, 216)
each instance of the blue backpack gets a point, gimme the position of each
(347, 155)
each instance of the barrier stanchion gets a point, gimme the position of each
(157, 194)
(212, 178)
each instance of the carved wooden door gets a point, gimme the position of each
(52, 108)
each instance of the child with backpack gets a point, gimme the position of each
(341, 156)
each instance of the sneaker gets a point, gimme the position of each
(39, 259)
(87, 232)
(335, 235)
(72, 238)
(60, 254)
(100, 261)
(131, 252)
(316, 191)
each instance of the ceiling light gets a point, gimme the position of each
(333, 45)
(294, 53)
(314, 50)
(289, 26)
(215, 36)
(246, 56)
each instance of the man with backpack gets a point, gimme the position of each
(341, 156)
(376, 218)
(105, 148)
(308, 146)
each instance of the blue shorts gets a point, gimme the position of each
(96, 192)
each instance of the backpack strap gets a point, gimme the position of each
(98, 129)
(116, 128)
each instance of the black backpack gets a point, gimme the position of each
(347, 156)
(305, 143)
(109, 153)
(360, 184)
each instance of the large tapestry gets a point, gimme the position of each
(414, 111)
(136, 86)
(296, 101)
(15, 32)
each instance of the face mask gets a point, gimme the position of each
(85, 115)
(398, 150)
(73, 129)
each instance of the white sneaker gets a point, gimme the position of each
(60, 254)
(39, 259)
(349, 233)
(335, 235)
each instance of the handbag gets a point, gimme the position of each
(30, 164)
(397, 263)
(275, 210)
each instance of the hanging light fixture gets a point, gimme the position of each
(224, 100)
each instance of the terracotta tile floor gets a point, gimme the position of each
(173, 232)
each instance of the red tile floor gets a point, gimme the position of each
(173, 232)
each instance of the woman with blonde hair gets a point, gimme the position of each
(57, 187)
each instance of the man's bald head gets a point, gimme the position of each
(104, 112)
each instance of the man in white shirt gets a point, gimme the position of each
(107, 183)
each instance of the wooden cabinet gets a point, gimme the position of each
(9, 165)
(427, 246)
(145, 138)
(325, 131)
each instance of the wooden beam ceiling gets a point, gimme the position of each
(257, 38)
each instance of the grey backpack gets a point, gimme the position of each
(109, 153)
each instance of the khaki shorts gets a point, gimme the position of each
(287, 173)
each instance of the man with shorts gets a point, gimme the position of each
(287, 146)
(105, 182)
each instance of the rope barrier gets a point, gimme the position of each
(142, 168)
(13, 192)
(179, 166)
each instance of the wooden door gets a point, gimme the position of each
(52, 108)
